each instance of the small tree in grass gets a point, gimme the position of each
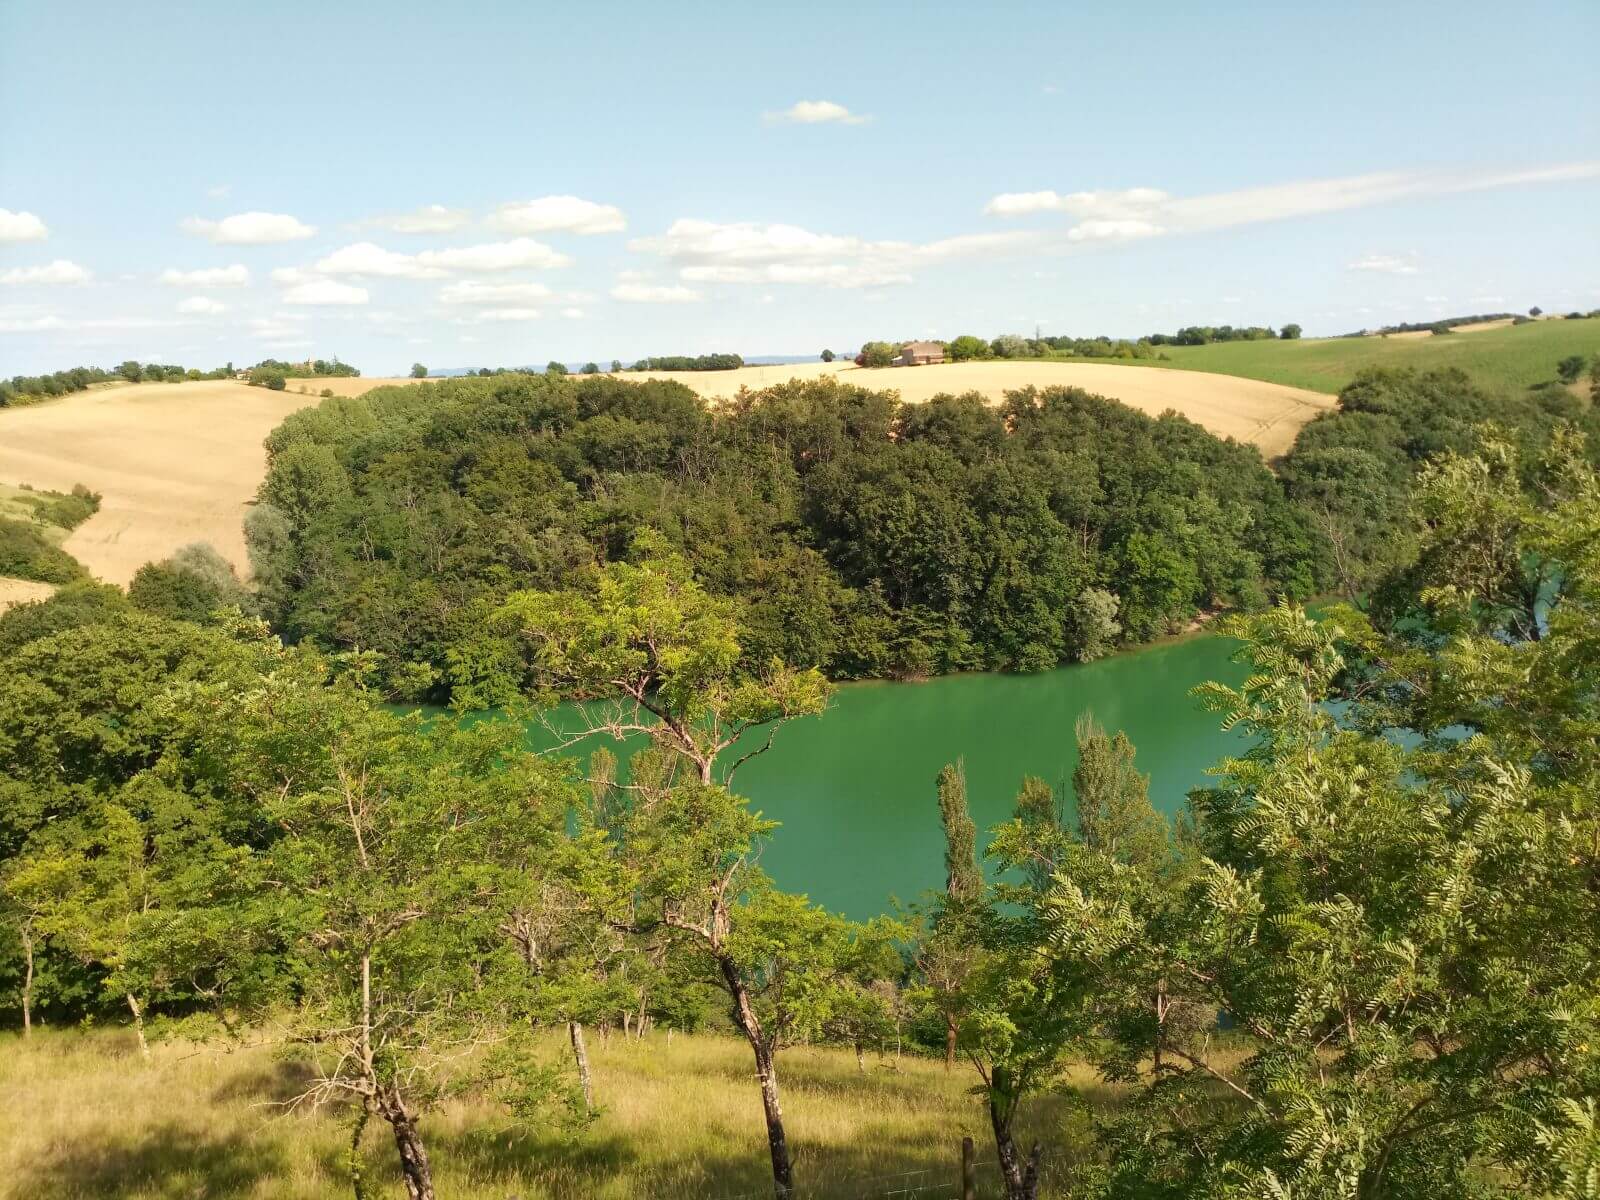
(418, 371)
(827, 356)
(658, 657)
(1569, 368)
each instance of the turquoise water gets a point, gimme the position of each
(854, 788)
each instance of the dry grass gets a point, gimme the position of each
(81, 1117)
(175, 462)
(1267, 415)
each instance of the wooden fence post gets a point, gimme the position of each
(969, 1171)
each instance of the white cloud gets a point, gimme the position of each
(219, 191)
(1144, 212)
(59, 271)
(201, 306)
(21, 227)
(471, 292)
(1120, 229)
(817, 112)
(430, 218)
(572, 314)
(1387, 264)
(249, 228)
(1436, 299)
(501, 314)
(236, 275)
(367, 259)
(30, 324)
(495, 256)
(646, 293)
(567, 214)
(324, 292)
(747, 252)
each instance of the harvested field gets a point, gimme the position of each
(1268, 415)
(175, 462)
(20, 591)
(347, 385)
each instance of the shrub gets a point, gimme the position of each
(189, 586)
(26, 553)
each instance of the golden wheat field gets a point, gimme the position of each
(81, 1116)
(175, 462)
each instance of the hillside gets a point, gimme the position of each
(175, 462)
(1507, 356)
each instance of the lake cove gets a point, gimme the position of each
(854, 788)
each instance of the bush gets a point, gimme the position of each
(966, 347)
(1569, 368)
(75, 605)
(26, 553)
(189, 586)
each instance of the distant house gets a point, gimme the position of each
(916, 354)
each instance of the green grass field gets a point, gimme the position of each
(81, 1116)
(1514, 357)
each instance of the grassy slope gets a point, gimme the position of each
(15, 503)
(81, 1117)
(1514, 357)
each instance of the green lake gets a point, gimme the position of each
(854, 787)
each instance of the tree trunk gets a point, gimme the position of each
(358, 1170)
(1161, 1025)
(27, 980)
(767, 1075)
(1021, 1178)
(581, 1053)
(414, 1166)
(949, 1042)
(138, 1026)
(861, 1059)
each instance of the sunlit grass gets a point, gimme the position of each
(82, 1116)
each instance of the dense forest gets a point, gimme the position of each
(1364, 965)
(862, 536)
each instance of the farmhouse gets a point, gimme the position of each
(916, 354)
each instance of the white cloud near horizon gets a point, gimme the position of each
(1147, 212)
(558, 214)
(201, 306)
(496, 256)
(749, 252)
(499, 314)
(469, 291)
(817, 112)
(1387, 264)
(429, 218)
(249, 229)
(654, 293)
(322, 292)
(60, 271)
(236, 275)
(368, 260)
(21, 227)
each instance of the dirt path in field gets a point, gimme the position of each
(175, 462)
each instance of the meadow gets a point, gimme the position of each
(83, 1117)
(1511, 357)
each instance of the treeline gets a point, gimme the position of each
(23, 388)
(1203, 335)
(860, 535)
(1364, 964)
(680, 362)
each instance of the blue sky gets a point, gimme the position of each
(496, 183)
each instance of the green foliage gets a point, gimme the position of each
(878, 354)
(963, 878)
(967, 347)
(696, 362)
(827, 356)
(1115, 816)
(857, 535)
(26, 553)
(70, 607)
(1569, 368)
(1289, 332)
(418, 371)
(272, 378)
(191, 585)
